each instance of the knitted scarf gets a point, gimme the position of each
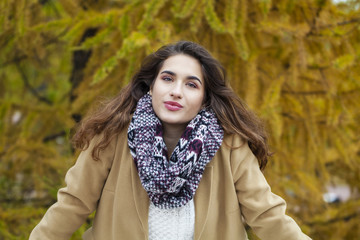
(171, 183)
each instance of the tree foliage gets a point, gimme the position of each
(295, 63)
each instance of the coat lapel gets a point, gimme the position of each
(141, 199)
(202, 201)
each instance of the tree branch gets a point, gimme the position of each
(354, 20)
(54, 136)
(14, 60)
(28, 86)
(334, 220)
(319, 92)
(79, 61)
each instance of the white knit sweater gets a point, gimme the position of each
(172, 224)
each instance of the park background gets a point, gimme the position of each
(295, 63)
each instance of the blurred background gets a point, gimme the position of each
(295, 63)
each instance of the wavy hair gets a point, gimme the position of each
(233, 114)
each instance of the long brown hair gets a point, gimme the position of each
(234, 116)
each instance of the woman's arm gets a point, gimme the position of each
(263, 211)
(84, 184)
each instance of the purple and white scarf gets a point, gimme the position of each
(171, 183)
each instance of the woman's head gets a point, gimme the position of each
(178, 91)
(212, 71)
(232, 113)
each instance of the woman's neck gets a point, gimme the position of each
(171, 135)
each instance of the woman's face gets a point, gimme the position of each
(178, 91)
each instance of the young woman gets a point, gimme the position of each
(175, 155)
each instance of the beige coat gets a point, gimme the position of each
(232, 186)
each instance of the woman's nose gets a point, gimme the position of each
(176, 91)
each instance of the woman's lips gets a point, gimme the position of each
(173, 106)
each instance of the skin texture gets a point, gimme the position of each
(177, 95)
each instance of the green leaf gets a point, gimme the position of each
(344, 61)
(212, 18)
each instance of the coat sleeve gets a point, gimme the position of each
(263, 211)
(84, 184)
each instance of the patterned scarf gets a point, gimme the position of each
(171, 183)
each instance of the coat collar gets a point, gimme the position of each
(141, 199)
(202, 200)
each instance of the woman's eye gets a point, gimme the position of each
(191, 84)
(166, 78)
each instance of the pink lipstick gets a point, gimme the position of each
(173, 106)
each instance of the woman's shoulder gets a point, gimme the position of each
(234, 140)
(106, 143)
(236, 147)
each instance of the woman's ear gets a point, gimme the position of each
(151, 87)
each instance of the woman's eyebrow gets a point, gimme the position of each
(169, 72)
(189, 77)
(195, 78)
